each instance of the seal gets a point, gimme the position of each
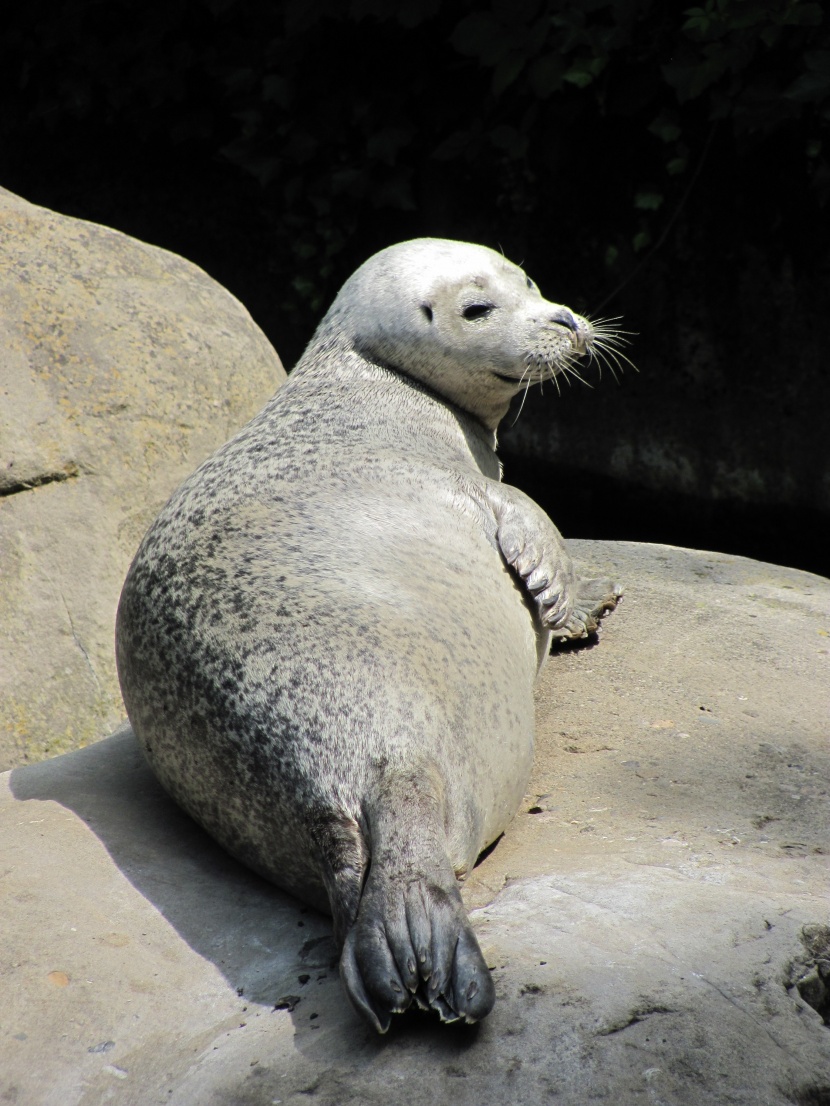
(328, 640)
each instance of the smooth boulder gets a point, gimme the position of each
(122, 366)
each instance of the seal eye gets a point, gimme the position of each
(477, 310)
(427, 310)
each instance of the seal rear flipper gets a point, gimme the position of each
(345, 860)
(412, 939)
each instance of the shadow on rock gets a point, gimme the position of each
(262, 940)
(269, 947)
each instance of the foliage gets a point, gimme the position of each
(517, 122)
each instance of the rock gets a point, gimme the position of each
(656, 916)
(124, 366)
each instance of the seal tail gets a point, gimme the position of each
(411, 940)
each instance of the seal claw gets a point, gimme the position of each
(353, 984)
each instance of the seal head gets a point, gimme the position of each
(459, 318)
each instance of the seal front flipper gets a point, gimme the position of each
(412, 939)
(568, 606)
(593, 601)
(536, 551)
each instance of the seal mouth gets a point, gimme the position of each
(580, 339)
(580, 343)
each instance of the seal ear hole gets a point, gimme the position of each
(477, 310)
(427, 310)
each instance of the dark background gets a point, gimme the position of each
(663, 163)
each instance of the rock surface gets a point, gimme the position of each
(656, 917)
(123, 367)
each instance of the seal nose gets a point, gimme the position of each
(563, 317)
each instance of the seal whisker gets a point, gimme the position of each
(603, 320)
(608, 324)
(610, 340)
(555, 378)
(608, 356)
(600, 355)
(606, 332)
(616, 354)
(571, 370)
(611, 334)
(527, 382)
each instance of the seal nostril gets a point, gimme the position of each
(564, 318)
(427, 310)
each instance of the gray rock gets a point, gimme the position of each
(656, 917)
(122, 367)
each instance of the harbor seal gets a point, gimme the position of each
(328, 640)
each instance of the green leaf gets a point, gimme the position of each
(304, 250)
(648, 200)
(641, 240)
(697, 21)
(665, 127)
(302, 285)
(578, 75)
(691, 77)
